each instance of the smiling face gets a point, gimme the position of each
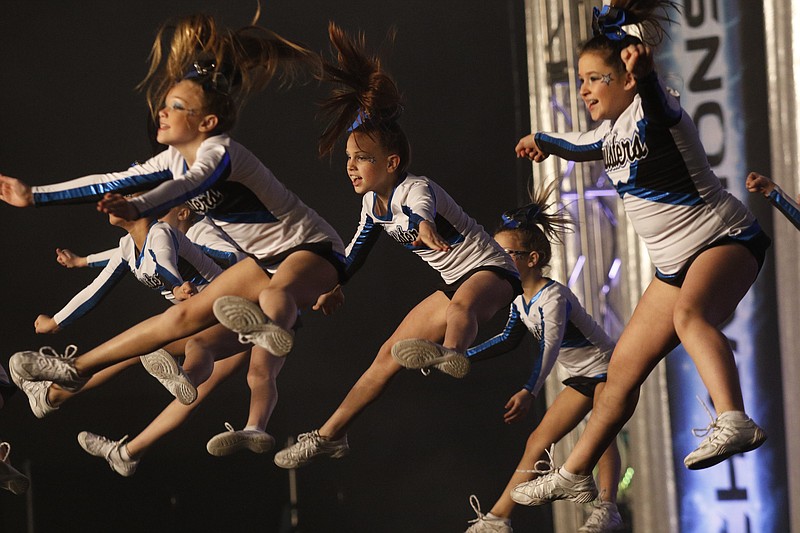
(605, 91)
(370, 166)
(182, 121)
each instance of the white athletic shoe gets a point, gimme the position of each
(108, 449)
(726, 437)
(232, 441)
(551, 486)
(421, 353)
(308, 447)
(485, 524)
(10, 478)
(48, 365)
(604, 519)
(162, 366)
(36, 391)
(246, 318)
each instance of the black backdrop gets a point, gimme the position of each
(68, 108)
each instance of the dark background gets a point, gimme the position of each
(68, 108)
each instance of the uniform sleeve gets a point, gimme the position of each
(421, 203)
(658, 106)
(574, 146)
(505, 341)
(365, 238)
(212, 165)
(785, 205)
(93, 294)
(100, 259)
(91, 188)
(163, 249)
(553, 315)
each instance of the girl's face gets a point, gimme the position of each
(181, 118)
(525, 260)
(605, 91)
(370, 166)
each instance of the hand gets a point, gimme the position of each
(185, 291)
(755, 182)
(518, 406)
(330, 301)
(638, 59)
(527, 147)
(69, 259)
(45, 324)
(428, 236)
(15, 192)
(117, 205)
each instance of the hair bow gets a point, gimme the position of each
(609, 21)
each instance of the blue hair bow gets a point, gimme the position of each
(609, 21)
(522, 215)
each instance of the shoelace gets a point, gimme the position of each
(229, 428)
(69, 352)
(476, 506)
(702, 432)
(599, 516)
(549, 464)
(7, 447)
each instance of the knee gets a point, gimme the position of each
(684, 316)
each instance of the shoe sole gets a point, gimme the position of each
(421, 353)
(162, 366)
(222, 445)
(759, 438)
(242, 316)
(338, 454)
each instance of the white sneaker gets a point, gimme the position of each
(10, 478)
(486, 524)
(248, 320)
(421, 353)
(308, 447)
(232, 441)
(108, 449)
(604, 518)
(36, 391)
(726, 437)
(48, 365)
(162, 366)
(553, 486)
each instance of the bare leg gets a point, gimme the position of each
(608, 467)
(245, 279)
(177, 413)
(566, 411)
(714, 285)
(57, 396)
(647, 338)
(476, 301)
(426, 321)
(203, 349)
(261, 378)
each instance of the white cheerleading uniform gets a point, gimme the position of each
(654, 158)
(166, 261)
(567, 334)
(226, 182)
(215, 243)
(417, 198)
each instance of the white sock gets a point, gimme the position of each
(570, 476)
(123, 452)
(253, 428)
(734, 415)
(491, 516)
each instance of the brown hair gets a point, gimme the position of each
(228, 64)
(366, 98)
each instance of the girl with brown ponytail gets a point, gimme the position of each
(706, 246)
(480, 279)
